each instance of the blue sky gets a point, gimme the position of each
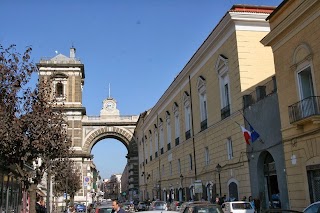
(138, 46)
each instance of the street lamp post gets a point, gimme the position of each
(218, 169)
(147, 195)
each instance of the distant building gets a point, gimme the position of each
(112, 187)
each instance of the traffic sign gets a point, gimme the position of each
(86, 180)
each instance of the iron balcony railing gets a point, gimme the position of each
(305, 108)
(225, 112)
(203, 125)
(177, 141)
(188, 134)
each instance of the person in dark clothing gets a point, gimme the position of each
(116, 207)
(40, 205)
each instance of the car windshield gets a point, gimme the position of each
(241, 206)
(160, 205)
(105, 210)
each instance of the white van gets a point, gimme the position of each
(237, 207)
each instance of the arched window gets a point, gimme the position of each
(59, 83)
(233, 191)
(59, 90)
(303, 67)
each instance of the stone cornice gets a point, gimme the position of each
(294, 16)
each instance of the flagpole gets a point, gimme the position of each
(251, 127)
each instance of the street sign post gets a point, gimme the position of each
(197, 186)
(86, 180)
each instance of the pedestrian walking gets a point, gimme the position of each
(40, 208)
(91, 209)
(116, 207)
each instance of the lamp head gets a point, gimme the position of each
(218, 168)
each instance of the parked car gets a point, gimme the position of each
(158, 205)
(142, 206)
(185, 204)
(79, 207)
(237, 207)
(175, 206)
(103, 209)
(202, 208)
(127, 206)
(280, 211)
(312, 208)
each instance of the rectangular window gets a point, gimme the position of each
(179, 166)
(305, 83)
(206, 156)
(229, 149)
(146, 150)
(203, 107)
(226, 94)
(150, 145)
(168, 132)
(161, 138)
(163, 170)
(177, 126)
(187, 118)
(156, 141)
(190, 162)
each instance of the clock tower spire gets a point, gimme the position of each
(109, 107)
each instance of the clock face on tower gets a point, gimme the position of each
(109, 105)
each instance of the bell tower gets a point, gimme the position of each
(65, 75)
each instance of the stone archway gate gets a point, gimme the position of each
(65, 76)
(97, 128)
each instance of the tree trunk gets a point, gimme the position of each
(32, 195)
(71, 199)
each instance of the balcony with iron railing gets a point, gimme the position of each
(225, 112)
(177, 141)
(188, 134)
(305, 110)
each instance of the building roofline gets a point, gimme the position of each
(277, 9)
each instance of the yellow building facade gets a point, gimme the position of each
(294, 38)
(190, 143)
